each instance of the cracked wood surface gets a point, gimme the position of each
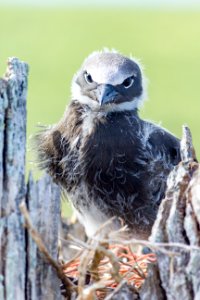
(178, 221)
(23, 272)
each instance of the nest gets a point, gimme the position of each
(101, 267)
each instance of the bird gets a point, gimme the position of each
(109, 161)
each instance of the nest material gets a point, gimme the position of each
(106, 268)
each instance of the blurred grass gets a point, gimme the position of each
(55, 42)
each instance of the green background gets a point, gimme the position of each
(54, 42)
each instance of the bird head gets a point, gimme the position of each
(109, 81)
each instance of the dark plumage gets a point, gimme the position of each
(110, 162)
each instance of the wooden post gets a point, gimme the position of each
(178, 223)
(43, 202)
(12, 185)
(23, 272)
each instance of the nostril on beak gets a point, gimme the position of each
(107, 93)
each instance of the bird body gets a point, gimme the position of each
(108, 160)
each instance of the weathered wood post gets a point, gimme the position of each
(178, 227)
(13, 91)
(23, 272)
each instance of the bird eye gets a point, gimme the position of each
(128, 82)
(88, 77)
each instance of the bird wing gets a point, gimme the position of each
(163, 153)
(164, 143)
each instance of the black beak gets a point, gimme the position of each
(106, 93)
